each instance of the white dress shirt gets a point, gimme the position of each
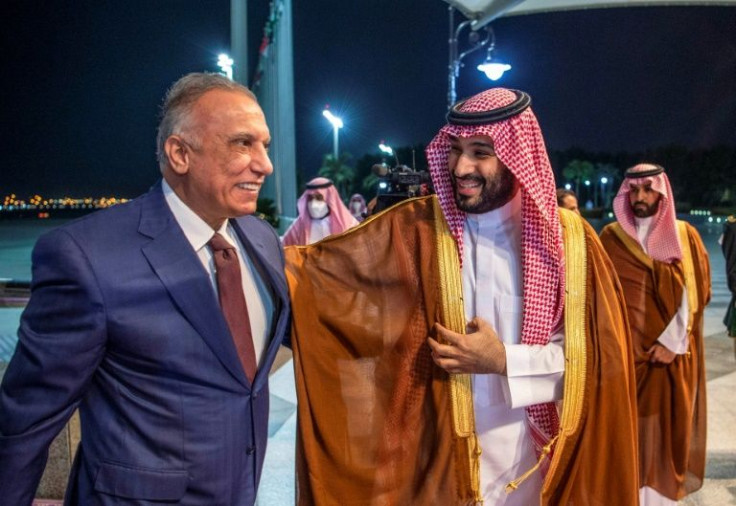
(675, 336)
(257, 296)
(492, 290)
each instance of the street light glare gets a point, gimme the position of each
(493, 71)
(226, 64)
(386, 149)
(604, 180)
(336, 122)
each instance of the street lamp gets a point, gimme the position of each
(385, 148)
(604, 198)
(336, 125)
(587, 191)
(226, 65)
(492, 69)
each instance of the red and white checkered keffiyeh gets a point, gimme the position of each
(662, 244)
(519, 145)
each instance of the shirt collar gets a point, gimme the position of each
(644, 223)
(498, 216)
(196, 230)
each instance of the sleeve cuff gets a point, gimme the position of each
(534, 374)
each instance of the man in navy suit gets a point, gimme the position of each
(124, 323)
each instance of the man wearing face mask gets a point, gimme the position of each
(664, 272)
(321, 213)
(358, 206)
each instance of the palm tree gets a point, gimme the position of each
(339, 172)
(578, 171)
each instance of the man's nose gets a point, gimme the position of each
(463, 166)
(261, 162)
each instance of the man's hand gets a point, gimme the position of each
(659, 354)
(480, 351)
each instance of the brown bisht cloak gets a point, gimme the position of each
(380, 424)
(671, 398)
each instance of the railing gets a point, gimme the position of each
(14, 293)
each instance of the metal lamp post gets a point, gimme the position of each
(337, 124)
(492, 70)
(604, 198)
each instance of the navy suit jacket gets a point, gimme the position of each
(123, 323)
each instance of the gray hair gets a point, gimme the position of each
(180, 99)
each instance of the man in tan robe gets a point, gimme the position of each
(387, 416)
(663, 268)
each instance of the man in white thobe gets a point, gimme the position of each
(492, 291)
(501, 205)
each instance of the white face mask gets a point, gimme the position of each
(317, 209)
(356, 207)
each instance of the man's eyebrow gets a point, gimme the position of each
(454, 139)
(238, 136)
(482, 144)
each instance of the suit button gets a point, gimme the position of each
(250, 450)
(254, 395)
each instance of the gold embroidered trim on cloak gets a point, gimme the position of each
(689, 270)
(575, 358)
(453, 316)
(576, 270)
(633, 246)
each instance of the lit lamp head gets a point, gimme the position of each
(334, 120)
(226, 64)
(493, 70)
(385, 149)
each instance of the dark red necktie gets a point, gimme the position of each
(232, 301)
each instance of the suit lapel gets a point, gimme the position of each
(255, 246)
(176, 264)
(273, 278)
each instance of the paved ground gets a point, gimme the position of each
(719, 488)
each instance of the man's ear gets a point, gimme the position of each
(177, 151)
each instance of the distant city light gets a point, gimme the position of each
(11, 203)
(493, 70)
(226, 65)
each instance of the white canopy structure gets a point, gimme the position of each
(482, 12)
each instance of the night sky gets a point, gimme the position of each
(83, 80)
